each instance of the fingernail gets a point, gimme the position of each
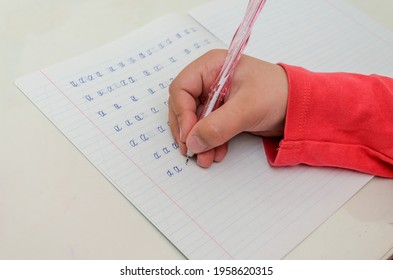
(181, 135)
(195, 145)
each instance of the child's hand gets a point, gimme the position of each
(256, 103)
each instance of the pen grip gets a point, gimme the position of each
(215, 97)
(220, 87)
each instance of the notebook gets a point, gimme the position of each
(111, 103)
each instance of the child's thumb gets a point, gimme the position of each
(214, 130)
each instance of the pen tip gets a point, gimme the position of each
(189, 155)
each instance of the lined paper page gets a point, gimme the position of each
(112, 104)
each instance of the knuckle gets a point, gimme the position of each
(172, 88)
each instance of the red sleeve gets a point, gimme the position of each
(336, 119)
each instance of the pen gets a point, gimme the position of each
(239, 41)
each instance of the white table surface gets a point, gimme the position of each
(55, 205)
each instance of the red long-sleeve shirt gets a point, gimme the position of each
(336, 119)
